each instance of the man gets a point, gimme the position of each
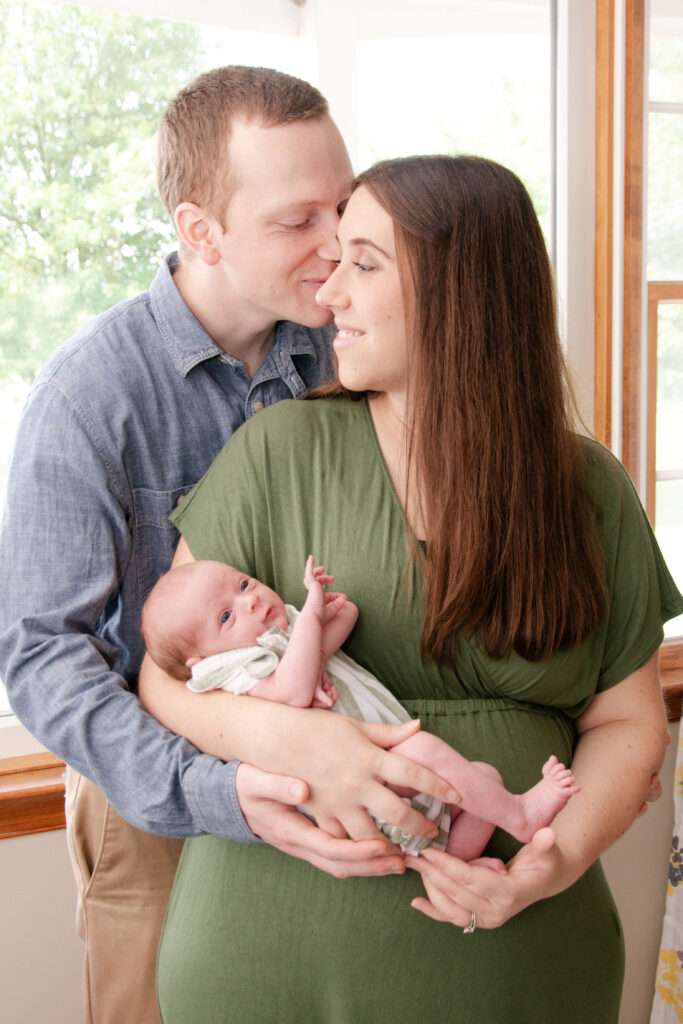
(120, 424)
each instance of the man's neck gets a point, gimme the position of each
(223, 316)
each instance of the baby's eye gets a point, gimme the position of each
(244, 584)
(225, 617)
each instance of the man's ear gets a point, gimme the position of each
(196, 229)
(192, 661)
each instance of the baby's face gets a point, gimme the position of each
(232, 609)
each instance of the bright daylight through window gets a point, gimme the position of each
(82, 91)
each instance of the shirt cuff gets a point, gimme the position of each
(209, 787)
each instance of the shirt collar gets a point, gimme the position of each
(188, 343)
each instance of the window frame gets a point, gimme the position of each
(625, 304)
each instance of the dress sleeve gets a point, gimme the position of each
(642, 593)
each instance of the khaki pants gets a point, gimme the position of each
(123, 880)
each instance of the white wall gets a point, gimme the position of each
(637, 868)
(40, 954)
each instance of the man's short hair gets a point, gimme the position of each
(194, 132)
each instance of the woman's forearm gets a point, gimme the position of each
(344, 762)
(228, 727)
(613, 764)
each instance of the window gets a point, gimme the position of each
(84, 86)
(639, 268)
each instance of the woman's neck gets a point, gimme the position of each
(389, 419)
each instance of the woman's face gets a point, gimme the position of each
(364, 296)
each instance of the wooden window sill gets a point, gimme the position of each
(31, 795)
(672, 688)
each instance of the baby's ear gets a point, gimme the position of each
(192, 661)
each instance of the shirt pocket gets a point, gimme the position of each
(155, 538)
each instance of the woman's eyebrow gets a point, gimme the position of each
(374, 245)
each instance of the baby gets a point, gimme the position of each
(228, 631)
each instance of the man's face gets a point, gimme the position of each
(280, 226)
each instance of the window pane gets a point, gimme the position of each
(487, 94)
(665, 197)
(669, 489)
(670, 387)
(666, 51)
(669, 499)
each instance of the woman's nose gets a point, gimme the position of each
(330, 295)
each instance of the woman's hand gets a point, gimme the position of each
(269, 804)
(456, 890)
(343, 762)
(347, 769)
(622, 740)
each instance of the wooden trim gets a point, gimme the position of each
(604, 218)
(31, 795)
(665, 291)
(671, 655)
(672, 690)
(633, 236)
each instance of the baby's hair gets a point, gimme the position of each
(167, 635)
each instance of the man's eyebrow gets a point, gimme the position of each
(374, 245)
(282, 210)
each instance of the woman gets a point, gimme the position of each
(511, 595)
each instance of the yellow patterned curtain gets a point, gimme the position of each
(667, 1007)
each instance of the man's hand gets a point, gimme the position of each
(269, 804)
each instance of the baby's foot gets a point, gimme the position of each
(540, 804)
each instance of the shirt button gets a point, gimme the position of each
(258, 406)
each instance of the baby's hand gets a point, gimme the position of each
(315, 574)
(325, 695)
(333, 605)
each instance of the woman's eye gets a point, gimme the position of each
(363, 267)
(225, 617)
(244, 584)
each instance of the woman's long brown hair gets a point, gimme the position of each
(513, 554)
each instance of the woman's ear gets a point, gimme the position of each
(197, 230)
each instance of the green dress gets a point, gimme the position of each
(255, 937)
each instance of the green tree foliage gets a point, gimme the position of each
(81, 93)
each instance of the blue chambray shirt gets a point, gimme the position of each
(121, 422)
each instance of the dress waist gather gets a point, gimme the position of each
(476, 705)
